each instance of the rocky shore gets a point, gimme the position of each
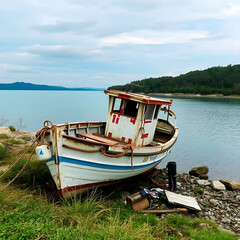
(219, 200)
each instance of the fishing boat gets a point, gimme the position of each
(136, 137)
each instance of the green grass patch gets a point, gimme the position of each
(36, 173)
(16, 141)
(25, 138)
(3, 152)
(4, 136)
(5, 156)
(24, 215)
(30, 149)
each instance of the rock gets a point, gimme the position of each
(238, 197)
(203, 182)
(231, 185)
(217, 185)
(200, 172)
(213, 202)
(204, 177)
(203, 225)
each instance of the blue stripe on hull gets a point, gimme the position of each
(105, 166)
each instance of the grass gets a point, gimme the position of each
(27, 215)
(4, 155)
(28, 212)
(16, 141)
(4, 136)
(25, 138)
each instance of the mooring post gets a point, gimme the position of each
(172, 173)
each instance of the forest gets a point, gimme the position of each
(215, 80)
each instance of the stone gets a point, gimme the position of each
(238, 197)
(201, 182)
(231, 185)
(204, 177)
(200, 172)
(214, 202)
(217, 185)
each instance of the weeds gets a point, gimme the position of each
(4, 155)
(4, 136)
(24, 215)
(25, 138)
(36, 174)
(15, 141)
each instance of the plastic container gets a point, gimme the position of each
(43, 152)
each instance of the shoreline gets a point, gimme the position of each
(189, 95)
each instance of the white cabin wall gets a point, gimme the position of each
(147, 130)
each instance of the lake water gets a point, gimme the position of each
(209, 127)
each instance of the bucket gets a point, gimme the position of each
(137, 201)
(43, 152)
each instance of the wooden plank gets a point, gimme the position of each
(85, 141)
(98, 138)
(159, 211)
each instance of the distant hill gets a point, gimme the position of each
(215, 80)
(30, 86)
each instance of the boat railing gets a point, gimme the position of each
(171, 114)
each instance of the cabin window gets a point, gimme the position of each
(150, 111)
(156, 111)
(117, 105)
(131, 108)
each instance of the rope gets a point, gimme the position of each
(132, 157)
(39, 139)
(119, 155)
(18, 159)
(126, 148)
(24, 166)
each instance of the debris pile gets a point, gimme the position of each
(219, 201)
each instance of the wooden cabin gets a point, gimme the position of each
(132, 118)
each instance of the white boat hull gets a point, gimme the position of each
(73, 175)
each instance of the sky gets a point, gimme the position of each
(92, 43)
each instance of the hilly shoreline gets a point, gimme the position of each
(31, 86)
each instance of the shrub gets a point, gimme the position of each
(12, 128)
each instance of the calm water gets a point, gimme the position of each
(209, 128)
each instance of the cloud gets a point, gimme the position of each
(5, 66)
(154, 37)
(232, 10)
(61, 51)
(62, 27)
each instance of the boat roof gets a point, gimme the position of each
(137, 97)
